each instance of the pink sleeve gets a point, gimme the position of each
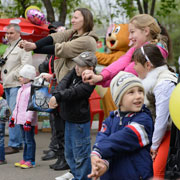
(110, 71)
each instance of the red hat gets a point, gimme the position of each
(1, 90)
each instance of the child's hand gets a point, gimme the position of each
(27, 126)
(90, 77)
(11, 123)
(153, 154)
(52, 103)
(98, 167)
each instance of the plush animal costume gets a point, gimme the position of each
(117, 42)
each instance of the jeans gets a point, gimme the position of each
(2, 134)
(78, 149)
(15, 137)
(29, 144)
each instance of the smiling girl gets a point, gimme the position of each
(143, 29)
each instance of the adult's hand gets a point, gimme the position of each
(90, 77)
(27, 46)
(47, 77)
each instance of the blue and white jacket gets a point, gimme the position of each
(125, 142)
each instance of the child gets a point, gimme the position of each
(123, 144)
(143, 29)
(26, 119)
(159, 83)
(4, 116)
(72, 95)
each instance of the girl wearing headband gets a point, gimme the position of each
(143, 29)
(159, 82)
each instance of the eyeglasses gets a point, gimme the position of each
(146, 57)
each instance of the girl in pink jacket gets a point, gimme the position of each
(143, 29)
(27, 119)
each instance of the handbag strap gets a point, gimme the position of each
(12, 49)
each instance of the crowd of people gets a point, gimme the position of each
(133, 142)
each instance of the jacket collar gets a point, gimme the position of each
(14, 42)
(26, 85)
(151, 78)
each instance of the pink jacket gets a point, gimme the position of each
(122, 64)
(20, 114)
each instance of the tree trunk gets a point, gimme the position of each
(63, 11)
(145, 5)
(139, 7)
(152, 7)
(49, 10)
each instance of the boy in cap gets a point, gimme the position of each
(72, 95)
(122, 147)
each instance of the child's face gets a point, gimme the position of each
(80, 69)
(132, 100)
(142, 70)
(137, 36)
(23, 80)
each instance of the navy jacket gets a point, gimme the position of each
(72, 96)
(125, 143)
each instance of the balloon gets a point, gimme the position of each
(36, 17)
(34, 14)
(30, 7)
(174, 106)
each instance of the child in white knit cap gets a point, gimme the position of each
(27, 119)
(122, 147)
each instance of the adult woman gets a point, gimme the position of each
(66, 45)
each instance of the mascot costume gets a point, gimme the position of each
(117, 42)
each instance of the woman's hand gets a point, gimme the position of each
(27, 46)
(153, 154)
(47, 77)
(52, 103)
(90, 77)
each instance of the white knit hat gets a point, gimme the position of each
(121, 83)
(28, 71)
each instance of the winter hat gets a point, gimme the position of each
(86, 59)
(1, 90)
(28, 71)
(121, 83)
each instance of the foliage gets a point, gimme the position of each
(173, 27)
(18, 7)
(166, 7)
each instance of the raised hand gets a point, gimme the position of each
(90, 77)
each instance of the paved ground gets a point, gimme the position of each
(41, 171)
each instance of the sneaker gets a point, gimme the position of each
(18, 164)
(27, 165)
(67, 176)
(3, 162)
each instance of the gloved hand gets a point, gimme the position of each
(27, 126)
(11, 123)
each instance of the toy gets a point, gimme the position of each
(117, 42)
(35, 15)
